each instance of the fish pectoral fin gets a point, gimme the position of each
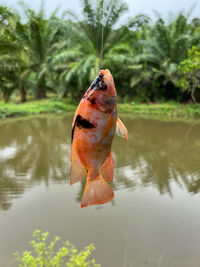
(77, 171)
(107, 169)
(121, 129)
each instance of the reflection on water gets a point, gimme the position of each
(157, 178)
(157, 153)
(32, 151)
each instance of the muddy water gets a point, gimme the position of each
(154, 218)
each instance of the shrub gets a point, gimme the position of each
(45, 254)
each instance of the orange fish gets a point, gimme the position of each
(94, 125)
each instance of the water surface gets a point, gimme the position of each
(154, 218)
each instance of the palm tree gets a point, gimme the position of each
(95, 43)
(164, 47)
(39, 36)
(10, 51)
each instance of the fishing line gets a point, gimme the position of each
(102, 32)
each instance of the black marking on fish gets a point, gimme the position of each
(92, 101)
(83, 123)
(84, 96)
(105, 87)
(72, 137)
(98, 83)
(80, 122)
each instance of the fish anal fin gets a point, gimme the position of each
(107, 169)
(96, 191)
(77, 171)
(121, 129)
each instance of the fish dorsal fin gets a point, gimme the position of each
(107, 169)
(121, 129)
(77, 171)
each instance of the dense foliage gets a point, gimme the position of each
(150, 60)
(189, 71)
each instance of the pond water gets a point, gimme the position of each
(154, 218)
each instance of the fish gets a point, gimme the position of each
(93, 128)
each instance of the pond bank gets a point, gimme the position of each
(9, 110)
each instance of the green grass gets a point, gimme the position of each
(65, 105)
(35, 107)
(162, 109)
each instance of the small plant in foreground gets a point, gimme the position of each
(44, 254)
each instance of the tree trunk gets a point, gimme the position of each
(41, 88)
(6, 98)
(41, 93)
(23, 95)
(192, 94)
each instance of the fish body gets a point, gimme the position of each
(93, 129)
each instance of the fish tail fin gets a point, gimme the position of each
(96, 191)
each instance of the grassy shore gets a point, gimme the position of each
(35, 107)
(162, 109)
(57, 106)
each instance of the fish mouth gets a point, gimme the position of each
(98, 83)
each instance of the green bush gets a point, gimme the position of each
(46, 255)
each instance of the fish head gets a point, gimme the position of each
(102, 91)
